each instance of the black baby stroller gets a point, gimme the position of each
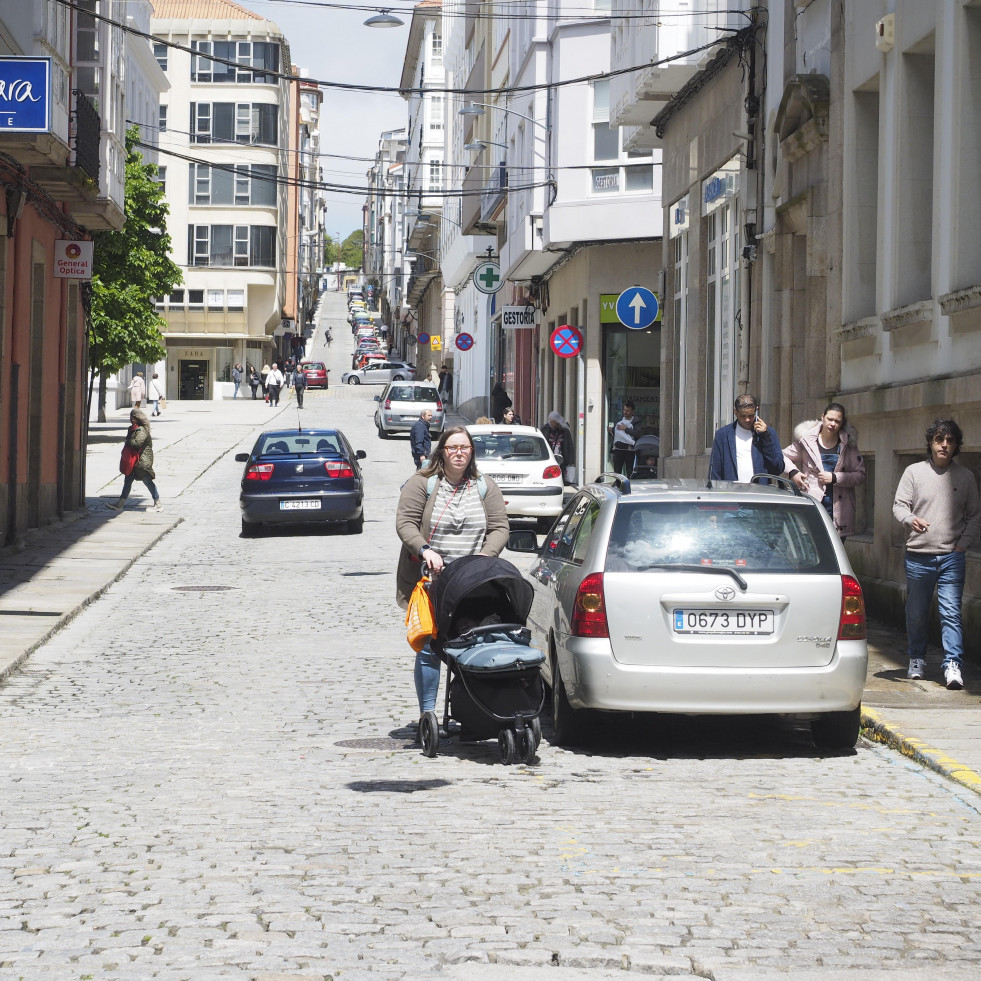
(493, 684)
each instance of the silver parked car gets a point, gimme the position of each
(400, 404)
(681, 596)
(379, 373)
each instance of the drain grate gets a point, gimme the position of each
(202, 589)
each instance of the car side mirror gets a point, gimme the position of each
(241, 457)
(522, 541)
(378, 398)
(361, 454)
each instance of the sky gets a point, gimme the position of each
(333, 45)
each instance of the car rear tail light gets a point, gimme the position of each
(551, 472)
(259, 471)
(439, 406)
(388, 403)
(589, 610)
(338, 468)
(851, 626)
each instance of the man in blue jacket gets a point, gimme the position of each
(745, 447)
(420, 442)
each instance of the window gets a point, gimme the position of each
(615, 177)
(176, 299)
(162, 119)
(436, 112)
(236, 300)
(161, 178)
(160, 53)
(232, 245)
(231, 122)
(216, 299)
(195, 299)
(254, 62)
(680, 325)
(437, 49)
(435, 177)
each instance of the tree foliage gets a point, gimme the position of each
(352, 250)
(131, 268)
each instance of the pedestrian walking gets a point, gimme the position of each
(138, 438)
(263, 375)
(463, 513)
(288, 370)
(137, 390)
(745, 447)
(299, 386)
(420, 440)
(824, 462)
(500, 400)
(236, 379)
(558, 435)
(255, 382)
(274, 383)
(155, 393)
(328, 337)
(937, 503)
(625, 433)
(445, 384)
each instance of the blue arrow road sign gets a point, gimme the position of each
(637, 307)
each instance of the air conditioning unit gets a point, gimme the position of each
(885, 33)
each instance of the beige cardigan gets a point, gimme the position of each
(413, 524)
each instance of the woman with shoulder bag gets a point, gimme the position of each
(138, 439)
(824, 462)
(445, 511)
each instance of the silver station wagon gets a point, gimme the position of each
(681, 596)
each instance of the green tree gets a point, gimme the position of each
(331, 251)
(352, 250)
(131, 268)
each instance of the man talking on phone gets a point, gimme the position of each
(745, 447)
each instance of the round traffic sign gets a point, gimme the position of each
(566, 341)
(422, 338)
(637, 308)
(464, 341)
(487, 277)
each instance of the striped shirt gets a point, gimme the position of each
(459, 520)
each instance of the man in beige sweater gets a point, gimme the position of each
(937, 502)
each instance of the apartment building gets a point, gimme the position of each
(226, 138)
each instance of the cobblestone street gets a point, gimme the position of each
(210, 774)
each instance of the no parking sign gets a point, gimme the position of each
(566, 341)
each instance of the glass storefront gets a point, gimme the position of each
(633, 371)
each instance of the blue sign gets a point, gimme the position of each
(637, 308)
(25, 95)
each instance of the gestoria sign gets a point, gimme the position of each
(73, 260)
(514, 318)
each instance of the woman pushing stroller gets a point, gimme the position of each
(439, 520)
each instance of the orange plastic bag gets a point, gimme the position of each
(420, 623)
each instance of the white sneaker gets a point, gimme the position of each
(156, 503)
(952, 675)
(917, 669)
(116, 505)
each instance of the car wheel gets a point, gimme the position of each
(398, 378)
(354, 380)
(565, 727)
(249, 529)
(356, 526)
(837, 730)
(507, 744)
(429, 734)
(382, 434)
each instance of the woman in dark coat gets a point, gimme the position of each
(138, 438)
(500, 400)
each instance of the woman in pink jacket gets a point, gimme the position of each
(824, 461)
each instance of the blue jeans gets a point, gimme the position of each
(945, 573)
(426, 677)
(128, 486)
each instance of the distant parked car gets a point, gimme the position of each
(316, 373)
(400, 404)
(379, 373)
(300, 476)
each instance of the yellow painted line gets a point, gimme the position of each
(881, 730)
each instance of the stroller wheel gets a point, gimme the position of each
(528, 746)
(429, 734)
(536, 730)
(505, 739)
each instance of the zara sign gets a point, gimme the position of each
(25, 95)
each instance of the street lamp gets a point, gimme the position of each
(478, 109)
(478, 146)
(384, 18)
(425, 217)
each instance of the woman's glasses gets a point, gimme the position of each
(457, 450)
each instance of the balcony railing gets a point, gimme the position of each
(88, 133)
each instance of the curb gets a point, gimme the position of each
(879, 730)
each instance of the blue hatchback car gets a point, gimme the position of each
(302, 476)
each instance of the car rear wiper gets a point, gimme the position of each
(718, 569)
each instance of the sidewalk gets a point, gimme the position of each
(61, 569)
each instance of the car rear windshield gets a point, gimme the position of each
(313, 366)
(759, 537)
(300, 443)
(413, 393)
(510, 446)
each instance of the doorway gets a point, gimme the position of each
(193, 379)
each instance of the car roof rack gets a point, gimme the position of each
(621, 483)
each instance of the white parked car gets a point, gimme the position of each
(520, 461)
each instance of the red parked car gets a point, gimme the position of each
(316, 372)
